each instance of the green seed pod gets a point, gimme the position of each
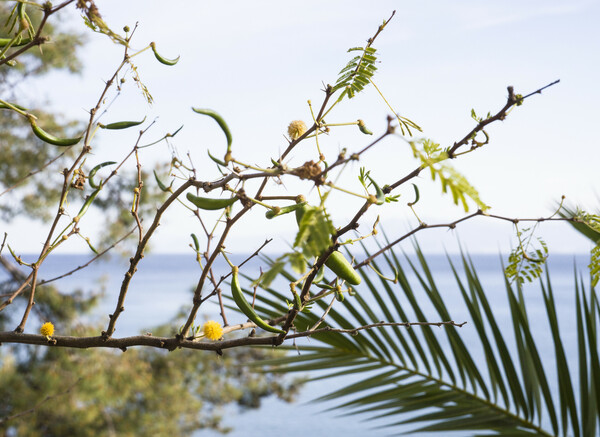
(378, 192)
(215, 116)
(342, 268)
(87, 203)
(162, 186)
(363, 128)
(4, 106)
(272, 212)
(95, 170)
(51, 139)
(121, 124)
(217, 160)
(196, 243)
(245, 307)
(417, 196)
(18, 43)
(280, 211)
(161, 59)
(210, 204)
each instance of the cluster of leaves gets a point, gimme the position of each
(314, 232)
(357, 73)
(431, 155)
(525, 264)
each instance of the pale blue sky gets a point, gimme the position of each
(258, 62)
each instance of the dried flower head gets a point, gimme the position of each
(47, 329)
(296, 129)
(212, 330)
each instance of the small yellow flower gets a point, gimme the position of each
(47, 329)
(296, 129)
(212, 330)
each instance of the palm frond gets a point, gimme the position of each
(492, 375)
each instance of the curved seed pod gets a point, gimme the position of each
(363, 128)
(342, 268)
(87, 203)
(95, 170)
(162, 186)
(325, 286)
(196, 243)
(18, 43)
(161, 59)
(210, 204)
(245, 307)
(417, 196)
(121, 124)
(218, 161)
(51, 139)
(378, 192)
(216, 117)
(92, 248)
(286, 209)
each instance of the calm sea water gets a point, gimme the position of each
(163, 286)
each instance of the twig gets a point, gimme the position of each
(47, 281)
(134, 261)
(500, 115)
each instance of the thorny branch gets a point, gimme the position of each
(171, 343)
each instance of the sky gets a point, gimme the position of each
(257, 63)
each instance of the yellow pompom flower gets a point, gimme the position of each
(296, 129)
(212, 330)
(47, 329)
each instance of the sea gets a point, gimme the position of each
(163, 286)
